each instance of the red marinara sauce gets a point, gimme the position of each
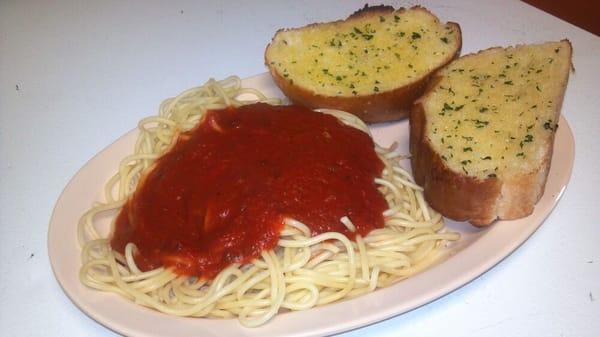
(221, 193)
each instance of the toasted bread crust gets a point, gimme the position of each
(374, 10)
(456, 196)
(384, 106)
(465, 198)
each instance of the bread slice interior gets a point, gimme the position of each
(375, 51)
(492, 116)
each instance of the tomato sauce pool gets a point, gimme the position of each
(221, 193)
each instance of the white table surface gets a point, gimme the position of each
(75, 76)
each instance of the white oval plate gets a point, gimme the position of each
(474, 254)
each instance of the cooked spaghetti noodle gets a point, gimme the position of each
(301, 272)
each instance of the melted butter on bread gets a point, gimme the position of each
(363, 55)
(494, 113)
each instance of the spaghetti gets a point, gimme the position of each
(301, 272)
